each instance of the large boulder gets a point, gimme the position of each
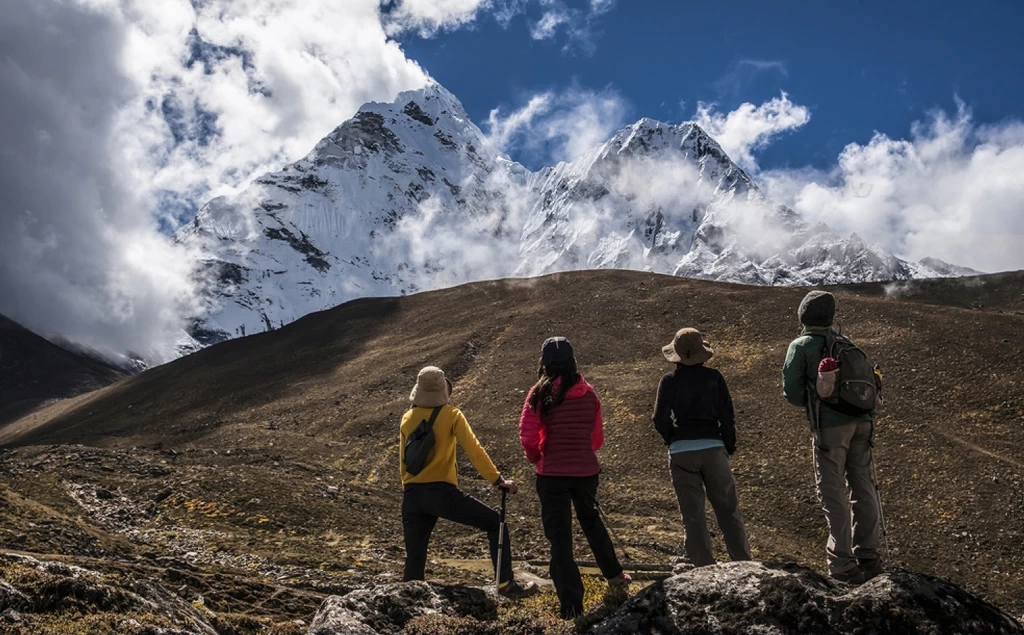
(385, 609)
(750, 597)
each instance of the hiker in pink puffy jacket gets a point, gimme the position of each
(561, 430)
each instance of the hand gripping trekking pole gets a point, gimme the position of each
(501, 540)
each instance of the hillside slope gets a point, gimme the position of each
(290, 436)
(33, 370)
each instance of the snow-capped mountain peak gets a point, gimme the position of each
(411, 194)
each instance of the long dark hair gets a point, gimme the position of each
(543, 396)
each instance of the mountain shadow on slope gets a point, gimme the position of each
(33, 371)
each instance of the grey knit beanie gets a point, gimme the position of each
(817, 309)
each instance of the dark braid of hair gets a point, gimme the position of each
(543, 394)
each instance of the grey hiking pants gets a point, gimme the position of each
(692, 474)
(842, 456)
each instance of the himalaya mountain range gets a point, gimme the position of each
(412, 195)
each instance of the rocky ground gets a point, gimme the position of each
(256, 479)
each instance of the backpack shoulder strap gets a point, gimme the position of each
(433, 415)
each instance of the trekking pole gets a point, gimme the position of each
(878, 497)
(611, 531)
(501, 541)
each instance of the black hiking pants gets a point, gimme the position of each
(424, 503)
(558, 495)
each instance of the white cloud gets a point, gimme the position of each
(428, 17)
(579, 24)
(953, 191)
(547, 26)
(749, 127)
(118, 115)
(81, 255)
(559, 126)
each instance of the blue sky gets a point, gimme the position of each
(858, 66)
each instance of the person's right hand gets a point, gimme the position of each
(508, 485)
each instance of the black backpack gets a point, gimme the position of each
(420, 443)
(857, 387)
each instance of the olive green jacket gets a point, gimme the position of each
(800, 373)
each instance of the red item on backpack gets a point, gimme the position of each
(826, 384)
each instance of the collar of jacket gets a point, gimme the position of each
(808, 330)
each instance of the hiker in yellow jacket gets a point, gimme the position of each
(433, 492)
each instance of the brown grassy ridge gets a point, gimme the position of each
(262, 418)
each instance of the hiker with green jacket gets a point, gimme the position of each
(842, 440)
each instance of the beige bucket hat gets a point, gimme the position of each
(688, 347)
(432, 388)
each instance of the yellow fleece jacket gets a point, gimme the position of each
(450, 425)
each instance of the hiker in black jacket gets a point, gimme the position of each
(694, 415)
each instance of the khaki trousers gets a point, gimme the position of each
(842, 457)
(693, 474)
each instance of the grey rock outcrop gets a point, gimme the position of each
(385, 609)
(750, 597)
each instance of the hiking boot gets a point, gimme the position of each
(870, 568)
(853, 577)
(622, 580)
(516, 591)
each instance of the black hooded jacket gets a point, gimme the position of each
(694, 403)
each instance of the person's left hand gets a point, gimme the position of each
(508, 485)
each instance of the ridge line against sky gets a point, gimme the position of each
(122, 117)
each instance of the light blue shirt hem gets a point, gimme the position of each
(692, 445)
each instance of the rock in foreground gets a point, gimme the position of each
(750, 597)
(735, 598)
(385, 609)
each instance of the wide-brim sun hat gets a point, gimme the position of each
(432, 388)
(688, 347)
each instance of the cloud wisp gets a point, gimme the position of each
(743, 71)
(428, 18)
(558, 125)
(750, 128)
(579, 25)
